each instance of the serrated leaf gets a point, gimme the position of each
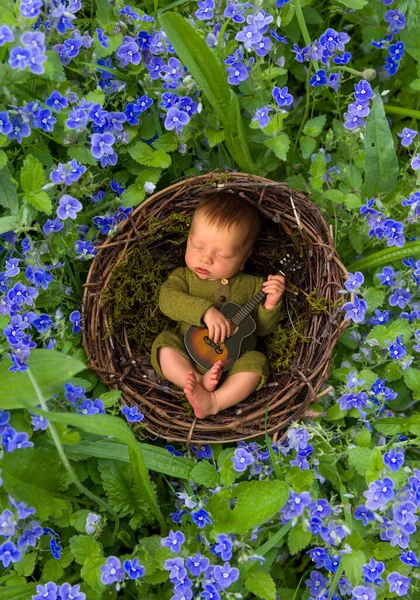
(307, 146)
(399, 327)
(160, 159)
(334, 195)
(167, 142)
(32, 176)
(36, 476)
(52, 570)
(314, 126)
(353, 565)
(40, 200)
(214, 137)
(8, 193)
(262, 585)
(279, 145)
(110, 398)
(91, 573)
(18, 592)
(298, 538)
(133, 195)
(78, 520)
(318, 165)
(82, 155)
(120, 489)
(354, 4)
(53, 67)
(412, 379)
(205, 474)
(84, 547)
(359, 458)
(381, 163)
(3, 159)
(26, 565)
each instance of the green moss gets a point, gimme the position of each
(317, 304)
(281, 344)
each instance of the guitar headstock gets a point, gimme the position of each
(289, 263)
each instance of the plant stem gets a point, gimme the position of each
(302, 24)
(348, 69)
(399, 110)
(305, 114)
(66, 461)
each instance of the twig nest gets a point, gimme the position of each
(121, 316)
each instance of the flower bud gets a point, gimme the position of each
(369, 74)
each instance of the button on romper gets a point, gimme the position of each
(184, 297)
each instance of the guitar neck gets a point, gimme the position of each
(251, 304)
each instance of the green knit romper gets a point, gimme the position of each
(184, 298)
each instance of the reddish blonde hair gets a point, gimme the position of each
(225, 210)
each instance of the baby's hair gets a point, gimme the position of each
(225, 209)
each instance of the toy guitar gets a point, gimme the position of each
(205, 352)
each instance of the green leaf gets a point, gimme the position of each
(91, 573)
(133, 195)
(314, 126)
(386, 256)
(36, 476)
(359, 459)
(8, 193)
(53, 68)
(52, 570)
(353, 565)
(3, 159)
(84, 547)
(205, 474)
(374, 298)
(145, 155)
(8, 223)
(210, 76)
(318, 165)
(7, 14)
(279, 145)
(156, 459)
(78, 520)
(307, 146)
(298, 538)
(214, 137)
(354, 4)
(412, 380)
(114, 426)
(256, 503)
(32, 176)
(26, 565)
(105, 13)
(335, 413)
(381, 164)
(167, 142)
(110, 398)
(51, 369)
(18, 592)
(299, 480)
(235, 136)
(121, 490)
(399, 327)
(262, 585)
(40, 200)
(392, 426)
(200, 60)
(334, 195)
(82, 155)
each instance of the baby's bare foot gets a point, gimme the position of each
(210, 379)
(202, 401)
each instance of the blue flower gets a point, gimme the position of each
(409, 558)
(415, 162)
(176, 568)
(173, 541)
(354, 281)
(46, 592)
(316, 583)
(226, 575)
(242, 459)
(76, 318)
(393, 231)
(319, 556)
(102, 38)
(342, 59)
(197, 564)
(394, 460)
(128, 52)
(407, 136)
(30, 536)
(55, 548)
(15, 441)
(360, 592)
(9, 554)
(7, 525)
(112, 571)
(210, 592)
(6, 35)
(372, 571)
(203, 451)
(282, 96)
(320, 78)
(68, 207)
(355, 310)
(223, 546)
(398, 583)
(176, 119)
(395, 19)
(397, 350)
(173, 451)
(261, 115)
(69, 592)
(133, 569)
(363, 90)
(237, 73)
(43, 323)
(201, 518)
(379, 493)
(205, 12)
(88, 407)
(132, 414)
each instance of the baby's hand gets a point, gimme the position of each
(274, 288)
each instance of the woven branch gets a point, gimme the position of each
(312, 314)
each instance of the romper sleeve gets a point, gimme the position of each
(266, 319)
(176, 303)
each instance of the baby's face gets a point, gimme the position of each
(218, 251)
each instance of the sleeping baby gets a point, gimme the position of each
(222, 235)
